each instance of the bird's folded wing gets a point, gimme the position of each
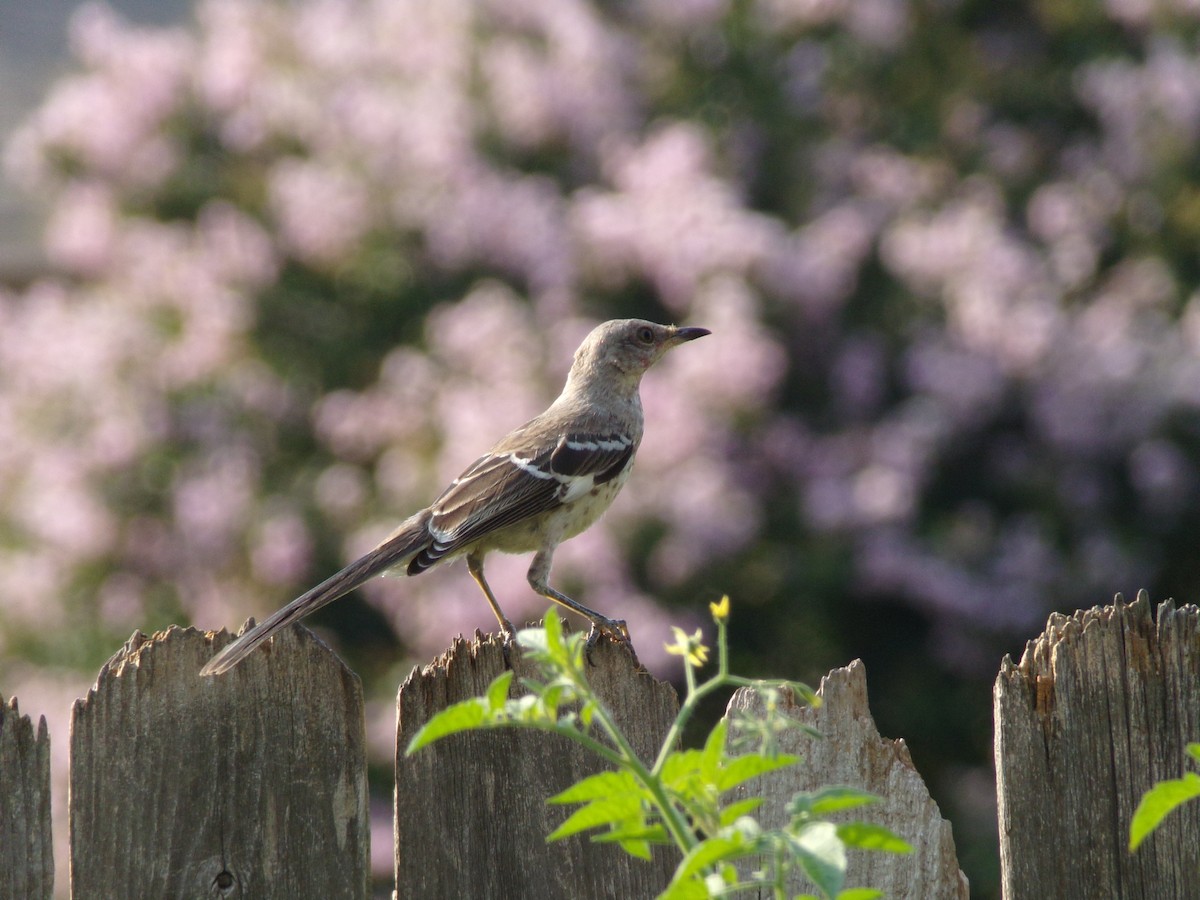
(512, 484)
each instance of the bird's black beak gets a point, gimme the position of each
(690, 333)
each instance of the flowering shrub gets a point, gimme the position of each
(310, 256)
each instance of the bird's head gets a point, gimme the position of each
(628, 346)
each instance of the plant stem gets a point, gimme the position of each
(624, 755)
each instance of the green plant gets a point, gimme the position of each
(679, 798)
(1161, 799)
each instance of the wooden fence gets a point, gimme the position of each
(253, 785)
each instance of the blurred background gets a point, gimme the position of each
(272, 273)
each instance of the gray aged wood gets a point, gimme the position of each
(26, 854)
(1099, 709)
(250, 784)
(471, 811)
(851, 752)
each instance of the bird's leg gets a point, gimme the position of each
(475, 567)
(539, 575)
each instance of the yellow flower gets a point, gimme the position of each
(690, 646)
(720, 610)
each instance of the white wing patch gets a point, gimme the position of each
(527, 466)
(619, 443)
(571, 487)
(576, 487)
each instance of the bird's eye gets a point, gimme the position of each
(645, 334)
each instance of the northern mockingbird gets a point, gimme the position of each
(546, 482)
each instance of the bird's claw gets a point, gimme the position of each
(508, 642)
(614, 629)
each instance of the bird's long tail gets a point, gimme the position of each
(407, 540)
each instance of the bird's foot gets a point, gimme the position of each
(509, 642)
(614, 629)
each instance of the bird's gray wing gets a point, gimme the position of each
(513, 483)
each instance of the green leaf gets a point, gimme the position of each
(859, 894)
(497, 692)
(735, 811)
(690, 888)
(868, 836)
(526, 709)
(750, 765)
(467, 715)
(1193, 750)
(830, 799)
(680, 764)
(709, 852)
(598, 786)
(806, 694)
(821, 855)
(555, 694)
(533, 640)
(636, 848)
(714, 747)
(1158, 802)
(651, 834)
(587, 712)
(611, 812)
(633, 840)
(553, 627)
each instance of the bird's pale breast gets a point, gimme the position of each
(565, 522)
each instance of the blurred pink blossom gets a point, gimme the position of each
(322, 212)
(668, 218)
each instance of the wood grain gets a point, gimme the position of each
(1099, 708)
(26, 848)
(851, 752)
(471, 811)
(249, 784)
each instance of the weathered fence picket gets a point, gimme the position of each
(251, 784)
(471, 811)
(851, 752)
(1099, 708)
(26, 854)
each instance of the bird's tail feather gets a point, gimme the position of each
(407, 540)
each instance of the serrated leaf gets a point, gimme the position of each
(598, 786)
(709, 852)
(555, 695)
(497, 692)
(526, 708)
(714, 748)
(868, 836)
(597, 814)
(747, 827)
(463, 716)
(680, 765)
(651, 834)
(821, 855)
(830, 799)
(587, 712)
(533, 640)
(553, 626)
(690, 888)
(636, 848)
(735, 811)
(1158, 802)
(750, 765)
